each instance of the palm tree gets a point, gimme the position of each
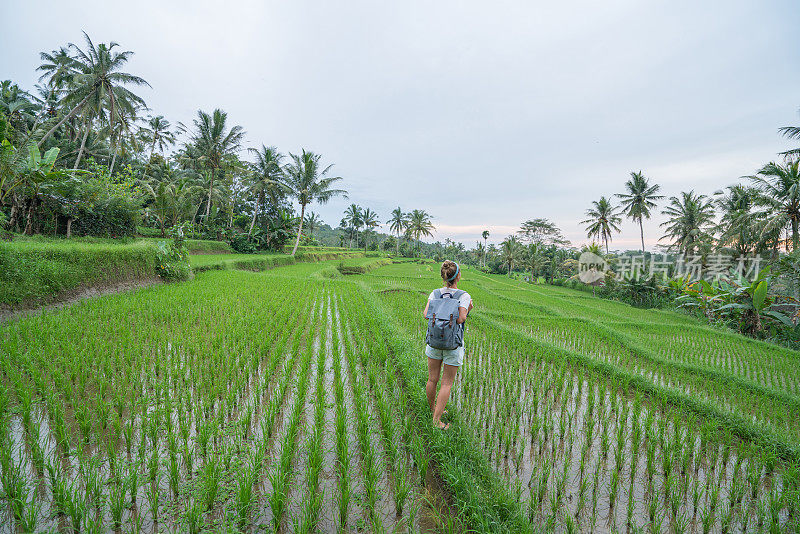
(480, 251)
(398, 223)
(778, 192)
(510, 249)
(737, 225)
(535, 259)
(213, 144)
(419, 225)
(91, 77)
(267, 172)
(690, 219)
(602, 220)
(639, 199)
(353, 219)
(121, 132)
(790, 132)
(485, 235)
(370, 220)
(312, 221)
(307, 182)
(158, 134)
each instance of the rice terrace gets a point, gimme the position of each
(448, 268)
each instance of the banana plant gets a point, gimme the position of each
(700, 296)
(753, 302)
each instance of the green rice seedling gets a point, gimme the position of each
(188, 460)
(127, 434)
(174, 474)
(680, 524)
(58, 486)
(212, 474)
(697, 495)
(93, 485)
(116, 503)
(656, 525)
(555, 504)
(775, 507)
(244, 495)
(403, 487)
(614, 488)
(28, 517)
(543, 477)
(16, 494)
(652, 510)
(133, 481)
(706, 520)
(570, 527)
(76, 506)
(193, 516)
(153, 465)
(152, 496)
(421, 458)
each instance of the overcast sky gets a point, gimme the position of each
(484, 114)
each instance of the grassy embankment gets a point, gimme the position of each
(34, 271)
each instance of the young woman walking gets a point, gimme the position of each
(451, 358)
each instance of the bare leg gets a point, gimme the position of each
(434, 368)
(448, 377)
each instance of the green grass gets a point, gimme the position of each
(32, 271)
(266, 261)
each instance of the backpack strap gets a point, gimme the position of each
(457, 293)
(437, 293)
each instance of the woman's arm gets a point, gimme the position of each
(463, 312)
(425, 313)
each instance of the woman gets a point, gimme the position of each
(452, 359)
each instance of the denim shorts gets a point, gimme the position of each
(453, 357)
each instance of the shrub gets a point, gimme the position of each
(172, 259)
(241, 243)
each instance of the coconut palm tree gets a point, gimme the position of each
(121, 132)
(398, 223)
(353, 219)
(370, 220)
(639, 199)
(312, 221)
(420, 224)
(480, 251)
(158, 133)
(485, 235)
(511, 250)
(778, 193)
(535, 259)
(737, 226)
(266, 175)
(213, 144)
(308, 182)
(603, 219)
(790, 132)
(690, 220)
(91, 78)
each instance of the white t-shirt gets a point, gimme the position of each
(463, 301)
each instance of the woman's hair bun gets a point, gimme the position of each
(449, 269)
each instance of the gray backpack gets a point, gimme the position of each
(444, 332)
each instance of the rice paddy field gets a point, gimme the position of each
(292, 400)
